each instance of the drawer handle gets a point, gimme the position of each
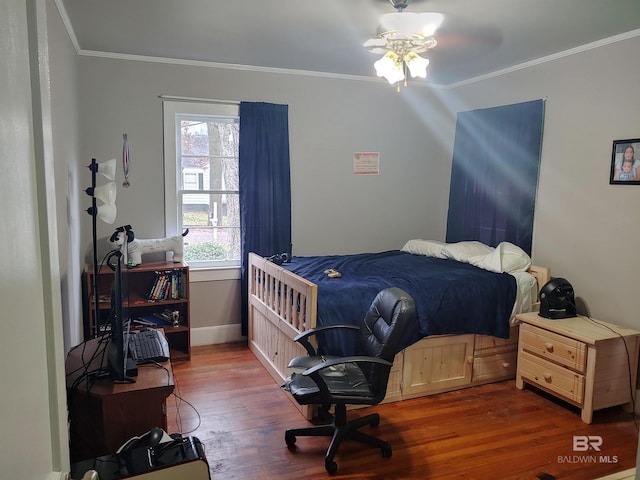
(549, 346)
(506, 365)
(547, 376)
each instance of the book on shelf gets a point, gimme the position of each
(167, 285)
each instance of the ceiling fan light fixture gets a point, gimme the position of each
(401, 37)
(417, 65)
(390, 67)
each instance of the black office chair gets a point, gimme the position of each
(354, 380)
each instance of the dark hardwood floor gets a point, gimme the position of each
(493, 432)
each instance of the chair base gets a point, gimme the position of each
(340, 429)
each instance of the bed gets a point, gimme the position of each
(440, 354)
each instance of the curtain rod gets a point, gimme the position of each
(197, 99)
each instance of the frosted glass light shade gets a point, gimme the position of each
(106, 193)
(390, 67)
(107, 213)
(108, 169)
(417, 65)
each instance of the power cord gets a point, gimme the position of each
(89, 375)
(179, 399)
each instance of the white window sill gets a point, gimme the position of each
(212, 274)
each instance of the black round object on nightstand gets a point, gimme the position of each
(557, 299)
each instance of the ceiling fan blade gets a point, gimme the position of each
(375, 42)
(462, 45)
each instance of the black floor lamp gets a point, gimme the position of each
(107, 213)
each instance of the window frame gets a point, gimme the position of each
(170, 110)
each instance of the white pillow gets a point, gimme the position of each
(506, 257)
(463, 251)
(489, 261)
(513, 258)
(428, 248)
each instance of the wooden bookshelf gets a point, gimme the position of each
(148, 298)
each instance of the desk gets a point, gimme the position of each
(103, 415)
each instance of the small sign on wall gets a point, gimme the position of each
(366, 163)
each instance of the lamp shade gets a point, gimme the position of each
(106, 193)
(107, 213)
(108, 169)
(417, 65)
(390, 67)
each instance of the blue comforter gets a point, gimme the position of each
(451, 297)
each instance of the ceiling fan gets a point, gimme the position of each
(401, 37)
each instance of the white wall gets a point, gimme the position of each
(586, 230)
(71, 200)
(33, 420)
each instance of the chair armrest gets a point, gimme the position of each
(303, 338)
(338, 361)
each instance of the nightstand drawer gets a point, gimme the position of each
(552, 377)
(563, 350)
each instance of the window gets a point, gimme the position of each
(201, 180)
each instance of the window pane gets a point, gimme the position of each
(214, 210)
(213, 221)
(212, 243)
(208, 163)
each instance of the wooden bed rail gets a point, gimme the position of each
(292, 299)
(542, 276)
(281, 305)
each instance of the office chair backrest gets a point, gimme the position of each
(384, 328)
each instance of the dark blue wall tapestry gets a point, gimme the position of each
(494, 175)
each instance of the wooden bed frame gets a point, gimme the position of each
(283, 304)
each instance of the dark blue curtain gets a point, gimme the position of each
(265, 186)
(494, 176)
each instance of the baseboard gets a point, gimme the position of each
(218, 334)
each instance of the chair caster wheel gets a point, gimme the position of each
(386, 452)
(331, 466)
(290, 439)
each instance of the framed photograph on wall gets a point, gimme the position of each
(625, 164)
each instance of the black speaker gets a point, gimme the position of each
(557, 299)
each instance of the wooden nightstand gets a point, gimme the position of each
(581, 361)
